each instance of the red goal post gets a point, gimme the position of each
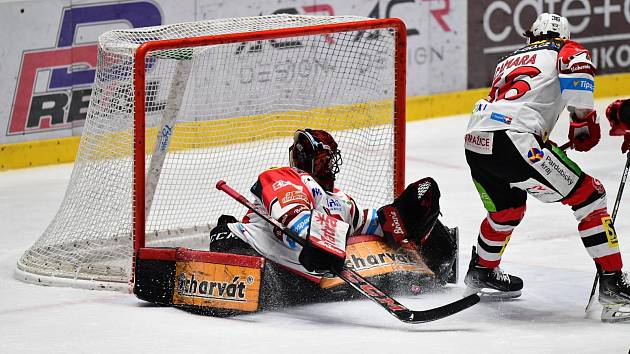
(140, 94)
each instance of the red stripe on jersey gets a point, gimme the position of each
(360, 227)
(610, 263)
(581, 194)
(508, 215)
(593, 219)
(491, 234)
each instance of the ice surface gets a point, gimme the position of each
(545, 251)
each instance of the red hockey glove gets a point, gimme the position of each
(626, 143)
(618, 114)
(585, 133)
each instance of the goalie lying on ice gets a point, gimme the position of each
(402, 244)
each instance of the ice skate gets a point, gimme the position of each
(614, 295)
(491, 283)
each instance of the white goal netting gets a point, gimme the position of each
(222, 111)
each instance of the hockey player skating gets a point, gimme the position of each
(304, 192)
(510, 156)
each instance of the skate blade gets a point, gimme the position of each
(615, 313)
(487, 294)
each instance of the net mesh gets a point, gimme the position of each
(215, 112)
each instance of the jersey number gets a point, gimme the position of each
(521, 87)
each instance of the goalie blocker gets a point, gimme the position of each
(238, 280)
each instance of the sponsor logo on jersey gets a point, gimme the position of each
(316, 192)
(333, 205)
(576, 84)
(583, 68)
(480, 107)
(300, 225)
(538, 190)
(549, 165)
(501, 118)
(282, 183)
(534, 155)
(288, 217)
(293, 197)
(54, 85)
(479, 142)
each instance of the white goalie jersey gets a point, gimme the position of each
(289, 196)
(532, 85)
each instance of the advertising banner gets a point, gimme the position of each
(495, 29)
(49, 57)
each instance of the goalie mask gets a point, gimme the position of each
(548, 26)
(315, 152)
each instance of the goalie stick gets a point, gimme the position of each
(361, 284)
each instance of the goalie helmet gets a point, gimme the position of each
(316, 152)
(549, 26)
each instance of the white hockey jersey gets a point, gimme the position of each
(289, 195)
(532, 85)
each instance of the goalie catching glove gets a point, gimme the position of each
(413, 214)
(325, 246)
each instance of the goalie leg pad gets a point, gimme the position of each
(439, 251)
(206, 282)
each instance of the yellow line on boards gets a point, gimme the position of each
(63, 150)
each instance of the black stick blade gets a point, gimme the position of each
(437, 313)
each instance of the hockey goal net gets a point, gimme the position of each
(175, 108)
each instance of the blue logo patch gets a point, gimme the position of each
(298, 227)
(501, 118)
(534, 155)
(480, 107)
(333, 204)
(576, 84)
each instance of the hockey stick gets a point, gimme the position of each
(622, 185)
(358, 282)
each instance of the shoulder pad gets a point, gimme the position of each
(554, 44)
(570, 48)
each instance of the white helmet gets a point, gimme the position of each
(547, 23)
